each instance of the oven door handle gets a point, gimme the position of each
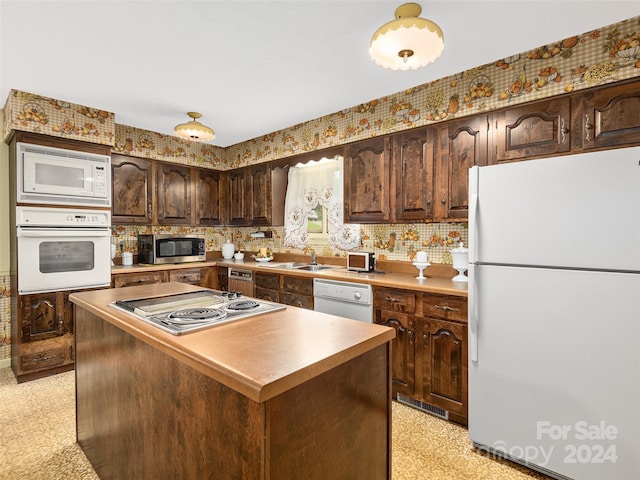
(42, 232)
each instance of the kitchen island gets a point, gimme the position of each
(288, 394)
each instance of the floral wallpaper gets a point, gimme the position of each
(389, 242)
(144, 143)
(35, 113)
(5, 317)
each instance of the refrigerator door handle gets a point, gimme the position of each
(473, 315)
(473, 211)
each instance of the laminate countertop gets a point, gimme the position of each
(391, 279)
(260, 356)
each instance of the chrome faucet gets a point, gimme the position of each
(314, 260)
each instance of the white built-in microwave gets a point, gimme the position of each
(57, 176)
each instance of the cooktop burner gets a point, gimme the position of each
(195, 315)
(192, 311)
(243, 305)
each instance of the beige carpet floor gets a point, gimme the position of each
(37, 439)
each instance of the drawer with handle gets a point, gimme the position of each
(394, 300)
(193, 276)
(447, 307)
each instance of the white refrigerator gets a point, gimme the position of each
(554, 314)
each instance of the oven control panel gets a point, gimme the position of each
(61, 217)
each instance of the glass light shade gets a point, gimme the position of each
(408, 42)
(194, 130)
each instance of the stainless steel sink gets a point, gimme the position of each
(298, 266)
(284, 264)
(315, 268)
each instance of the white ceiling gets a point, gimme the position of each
(254, 67)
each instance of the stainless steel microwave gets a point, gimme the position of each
(55, 176)
(167, 248)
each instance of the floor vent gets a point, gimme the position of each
(425, 407)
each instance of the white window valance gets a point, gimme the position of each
(316, 184)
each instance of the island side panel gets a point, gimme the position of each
(337, 425)
(142, 414)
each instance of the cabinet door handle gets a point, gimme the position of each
(392, 299)
(563, 131)
(410, 336)
(446, 308)
(587, 127)
(443, 200)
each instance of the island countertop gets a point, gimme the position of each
(260, 356)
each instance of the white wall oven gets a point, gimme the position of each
(55, 176)
(62, 249)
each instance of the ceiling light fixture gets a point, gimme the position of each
(194, 130)
(408, 42)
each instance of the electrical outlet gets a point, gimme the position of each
(367, 244)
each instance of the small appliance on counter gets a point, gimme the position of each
(361, 261)
(168, 248)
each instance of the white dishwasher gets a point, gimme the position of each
(346, 299)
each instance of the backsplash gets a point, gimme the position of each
(389, 242)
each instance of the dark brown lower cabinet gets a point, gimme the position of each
(42, 335)
(429, 353)
(443, 350)
(297, 291)
(396, 309)
(194, 276)
(444, 367)
(290, 290)
(140, 278)
(267, 286)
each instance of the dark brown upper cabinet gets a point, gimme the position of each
(367, 181)
(237, 193)
(412, 157)
(461, 144)
(261, 194)
(608, 117)
(530, 130)
(267, 189)
(209, 199)
(132, 181)
(173, 187)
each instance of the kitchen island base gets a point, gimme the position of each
(143, 414)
